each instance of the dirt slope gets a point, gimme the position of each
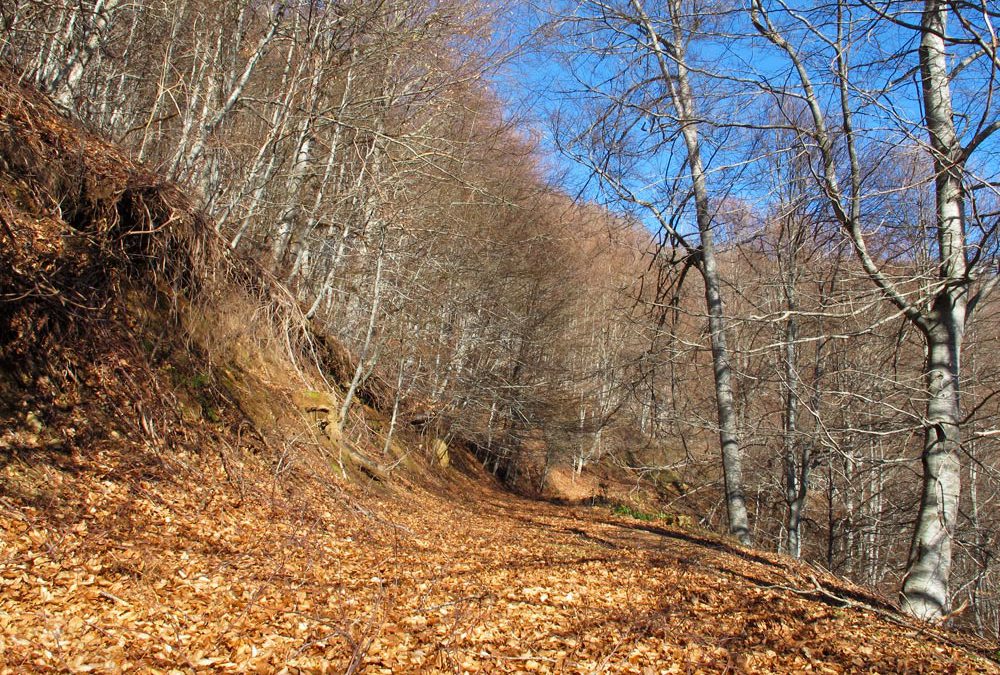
(164, 508)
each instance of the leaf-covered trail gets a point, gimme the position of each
(107, 566)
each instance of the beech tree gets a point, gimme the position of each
(939, 300)
(639, 97)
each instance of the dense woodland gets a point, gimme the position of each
(775, 289)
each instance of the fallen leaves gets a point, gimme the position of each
(175, 576)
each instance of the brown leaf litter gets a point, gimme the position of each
(181, 572)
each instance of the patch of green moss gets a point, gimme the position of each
(198, 388)
(650, 516)
(637, 514)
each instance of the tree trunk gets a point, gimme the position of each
(925, 587)
(63, 87)
(795, 486)
(669, 52)
(369, 333)
(296, 181)
(732, 455)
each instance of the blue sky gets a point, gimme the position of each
(535, 85)
(538, 84)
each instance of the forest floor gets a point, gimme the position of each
(186, 563)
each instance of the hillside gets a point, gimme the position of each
(174, 498)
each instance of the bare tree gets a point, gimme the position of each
(938, 307)
(653, 89)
